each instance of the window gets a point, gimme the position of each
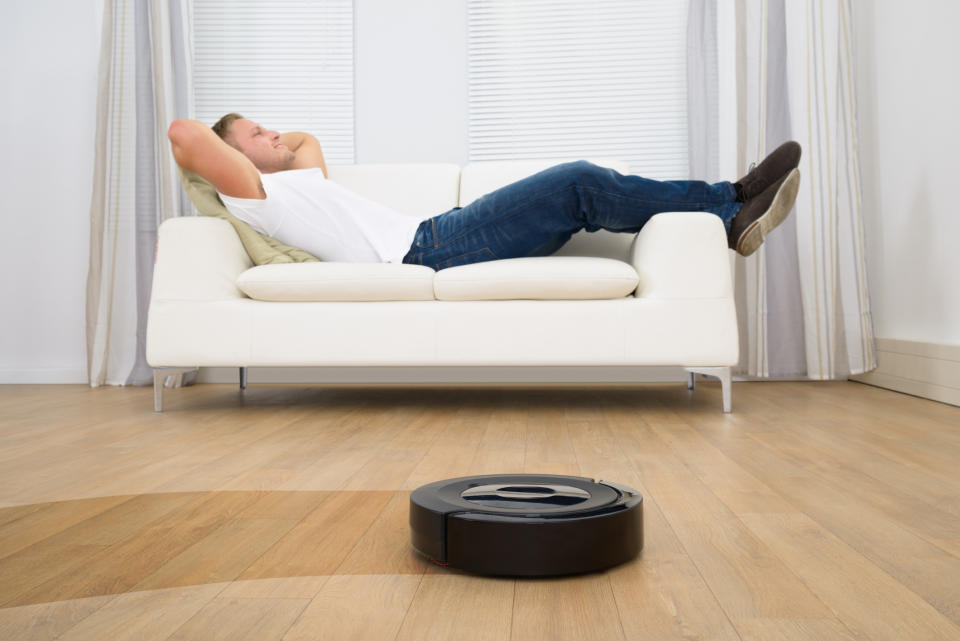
(287, 64)
(558, 79)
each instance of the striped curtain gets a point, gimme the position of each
(802, 299)
(144, 84)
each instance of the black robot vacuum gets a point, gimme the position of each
(526, 524)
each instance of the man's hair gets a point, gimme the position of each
(222, 128)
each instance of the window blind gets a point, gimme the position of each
(286, 64)
(558, 79)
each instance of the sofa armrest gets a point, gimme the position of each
(682, 255)
(198, 259)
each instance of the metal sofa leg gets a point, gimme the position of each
(160, 375)
(726, 382)
(243, 378)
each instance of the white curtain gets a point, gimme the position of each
(802, 299)
(144, 84)
(703, 92)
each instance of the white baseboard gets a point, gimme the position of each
(439, 375)
(929, 370)
(63, 376)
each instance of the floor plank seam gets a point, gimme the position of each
(406, 613)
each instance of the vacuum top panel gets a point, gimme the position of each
(539, 496)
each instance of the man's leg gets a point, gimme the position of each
(537, 215)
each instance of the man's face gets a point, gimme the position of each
(261, 146)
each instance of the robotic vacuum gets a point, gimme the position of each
(526, 524)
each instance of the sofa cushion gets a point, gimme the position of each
(414, 189)
(537, 278)
(338, 282)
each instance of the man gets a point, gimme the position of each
(278, 184)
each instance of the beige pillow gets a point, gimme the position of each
(538, 278)
(336, 281)
(263, 250)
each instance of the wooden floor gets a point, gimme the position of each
(814, 511)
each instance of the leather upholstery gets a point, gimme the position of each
(416, 189)
(539, 278)
(338, 282)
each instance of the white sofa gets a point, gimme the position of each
(660, 297)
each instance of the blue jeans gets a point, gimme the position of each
(537, 215)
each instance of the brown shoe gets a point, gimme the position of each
(761, 214)
(770, 170)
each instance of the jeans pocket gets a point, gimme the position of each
(476, 256)
(420, 237)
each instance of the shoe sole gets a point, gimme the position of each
(754, 235)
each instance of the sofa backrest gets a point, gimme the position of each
(415, 189)
(479, 178)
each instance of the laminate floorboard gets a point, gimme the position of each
(815, 511)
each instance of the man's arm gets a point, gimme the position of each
(198, 149)
(307, 150)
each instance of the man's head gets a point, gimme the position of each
(261, 146)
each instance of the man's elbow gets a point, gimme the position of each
(175, 131)
(184, 136)
(185, 133)
(181, 131)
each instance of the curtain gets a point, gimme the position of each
(144, 84)
(703, 101)
(803, 305)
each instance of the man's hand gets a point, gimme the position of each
(307, 150)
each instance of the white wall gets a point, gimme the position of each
(909, 122)
(48, 65)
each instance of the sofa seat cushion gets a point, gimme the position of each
(330, 281)
(537, 278)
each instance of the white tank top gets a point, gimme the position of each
(305, 210)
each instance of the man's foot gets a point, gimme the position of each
(780, 161)
(762, 213)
